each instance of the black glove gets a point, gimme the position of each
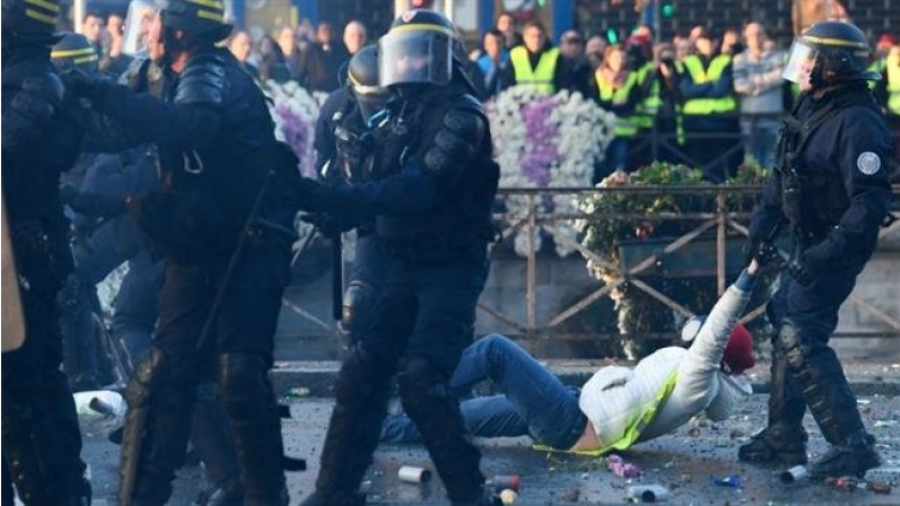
(800, 272)
(82, 83)
(750, 250)
(314, 196)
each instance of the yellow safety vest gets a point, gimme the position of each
(893, 85)
(648, 109)
(540, 79)
(878, 67)
(626, 126)
(633, 429)
(699, 75)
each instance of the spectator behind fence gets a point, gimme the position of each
(322, 60)
(355, 37)
(709, 107)
(92, 28)
(758, 83)
(241, 47)
(536, 62)
(574, 72)
(594, 49)
(494, 63)
(684, 47)
(640, 59)
(271, 65)
(506, 24)
(114, 62)
(619, 93)
(731, 42)
(293, 57)
(805, 13)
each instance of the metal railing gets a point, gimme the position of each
(534, 219)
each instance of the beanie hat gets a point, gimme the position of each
(738, 356)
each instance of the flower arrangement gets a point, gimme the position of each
(638, 312)
(547, 141)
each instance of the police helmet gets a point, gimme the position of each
(418, 49)
(828, 53)
(30, 20)
(362, 76)
(201, 21)
(74, 51)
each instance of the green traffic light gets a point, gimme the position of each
(668, 10)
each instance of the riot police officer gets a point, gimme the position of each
(831, 190)
(41, 137)
(346, 153)
(223, 222)
(434, 186)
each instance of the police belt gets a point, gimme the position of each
(425, 249)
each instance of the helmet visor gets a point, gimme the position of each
(800, 62)
(138, 21)
(415, 57)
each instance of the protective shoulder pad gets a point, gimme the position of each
(203, 81)
(457, 139)
(33, 107)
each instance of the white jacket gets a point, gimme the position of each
(616, 395)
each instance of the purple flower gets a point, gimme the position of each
(540, 141)
(297, 132)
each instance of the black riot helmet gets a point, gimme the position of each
(30, 21)
(417, 50)
(828, 53)
(362, 76)
(202, 21)
(74, 51)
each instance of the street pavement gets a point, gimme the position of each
(684, 463)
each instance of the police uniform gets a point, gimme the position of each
(346, 153)
(223, 222)
(432, 203)
(41, 138)
(831, 191)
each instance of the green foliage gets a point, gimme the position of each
(638, 312)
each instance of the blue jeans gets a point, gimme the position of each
(534, 401)
(760, 137)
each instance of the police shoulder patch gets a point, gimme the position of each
(868, 163)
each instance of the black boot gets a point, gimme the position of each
(214, 444)
(853, 458)
(831, 402)
(428, 403)
(784, 440)
(361, 396)
(256, 425)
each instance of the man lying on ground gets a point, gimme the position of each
(618, 406)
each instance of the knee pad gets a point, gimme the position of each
(359, 298)
(146, 378)
(364, 377)
(421, 381)
(244, 381)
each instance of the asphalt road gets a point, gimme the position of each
(683, 462)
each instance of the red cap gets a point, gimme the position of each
(739, 351)
(887, 39)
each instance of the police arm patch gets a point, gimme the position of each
(868, 163)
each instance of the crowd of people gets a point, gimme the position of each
(176, 167)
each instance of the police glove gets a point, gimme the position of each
(82, 83)
(807, 266)
(800, 272)
(314, 196)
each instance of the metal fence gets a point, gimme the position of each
(722, 221)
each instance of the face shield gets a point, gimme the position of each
(800, 62)
(371, 99)
(415, 57)
(138, 21)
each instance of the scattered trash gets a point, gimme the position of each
(411, 474)
(585, 476)
(843, 483)
(99, 403)
(648, 493)
(794, 475)
(570, 495)
(880, 487)
(863, 401)
(508, 496)
(620, 468)
(694, 432)
(886, 423)
(733, 481)
(501, 482)
(736, 433)
(296, 393)
(687, 478)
